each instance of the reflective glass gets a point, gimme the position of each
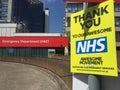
(117, 21)
(68, 21)
(69, 8)
(74, 7)
(117, 7)
(118, 36)
(80, 6)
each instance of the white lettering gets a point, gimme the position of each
(81, 47)
(93, 46)
(101, 45)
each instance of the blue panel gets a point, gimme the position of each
(96, 45)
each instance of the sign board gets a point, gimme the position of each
(33, 41)
(93, 47)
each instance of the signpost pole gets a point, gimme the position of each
(93, 82)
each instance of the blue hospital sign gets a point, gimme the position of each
(95, 45)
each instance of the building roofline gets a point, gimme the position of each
(37, 34)
(92, 1)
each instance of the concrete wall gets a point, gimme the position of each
(80, 82)
(59, 66)
(110, 83)
(9, 16)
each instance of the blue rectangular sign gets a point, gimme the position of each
(95, 45)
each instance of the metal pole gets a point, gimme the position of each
(94, 82)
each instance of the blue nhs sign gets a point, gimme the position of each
(95, 45)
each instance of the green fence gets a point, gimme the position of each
(24, 52)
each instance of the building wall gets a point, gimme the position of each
(8, 30)
(117, 23)
(9, 14)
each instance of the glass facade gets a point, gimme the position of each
(31, 15)
(3, 10)
(23, 12)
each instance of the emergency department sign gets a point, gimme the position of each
(93, 47)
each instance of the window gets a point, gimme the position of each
(80, 7)
(74, 7)
(3, 10)
(117, 7)
(117, 21)
(10, 51)
(118, 36)
(68, 21)
(69, 7)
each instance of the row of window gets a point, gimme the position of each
(74, 7)
(4, 4)
(3, 11)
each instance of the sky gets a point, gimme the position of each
(56, 8)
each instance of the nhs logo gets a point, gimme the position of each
(96, 45)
